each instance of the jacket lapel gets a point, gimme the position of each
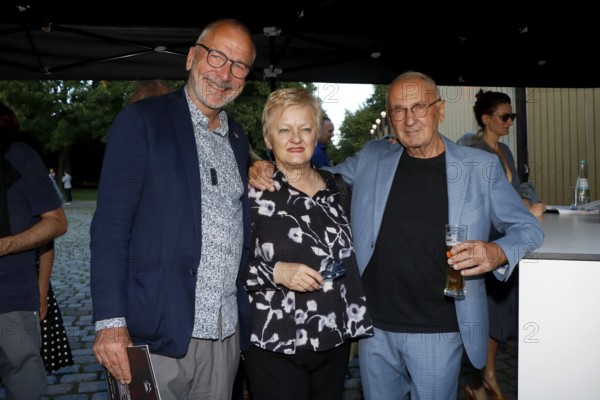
(184, 131)
(236, 145)
(458, 176)
(386, 169)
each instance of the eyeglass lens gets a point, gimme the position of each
(217, 59)
(419, 110)
(507, 116)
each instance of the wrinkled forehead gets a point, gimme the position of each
(411, 91)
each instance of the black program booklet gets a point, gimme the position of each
(143, 383)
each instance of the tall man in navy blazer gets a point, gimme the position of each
(402, 197)
(172, 226)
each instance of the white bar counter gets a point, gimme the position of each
(559, 311)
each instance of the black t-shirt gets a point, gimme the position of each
(405, 278)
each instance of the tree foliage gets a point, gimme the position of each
(68, 115)
(355, 129)
(65, 114)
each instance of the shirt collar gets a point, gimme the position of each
(201, 121)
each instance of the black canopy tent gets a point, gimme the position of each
(493, 44)
(309, 40)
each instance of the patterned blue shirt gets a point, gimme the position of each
(222, 229)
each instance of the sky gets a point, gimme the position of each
(338, 97)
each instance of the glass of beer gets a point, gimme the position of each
(455, 282)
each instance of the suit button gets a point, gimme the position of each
(193, 271)
(372, 244)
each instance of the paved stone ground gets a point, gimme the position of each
(85, 379)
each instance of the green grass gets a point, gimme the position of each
(84, 194)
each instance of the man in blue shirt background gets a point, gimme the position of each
(320, 158)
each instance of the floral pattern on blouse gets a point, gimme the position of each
(290, 226)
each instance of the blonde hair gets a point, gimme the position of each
(280, 99)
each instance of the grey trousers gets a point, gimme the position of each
(207, 371)
(21, 365)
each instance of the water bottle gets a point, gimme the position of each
(582, 188)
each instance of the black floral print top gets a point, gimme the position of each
(290, 226)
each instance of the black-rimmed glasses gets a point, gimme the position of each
(507, 116)
(419, 110)
(217, 59)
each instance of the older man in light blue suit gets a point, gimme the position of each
(402, 197)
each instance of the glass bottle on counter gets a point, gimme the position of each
(582, 188)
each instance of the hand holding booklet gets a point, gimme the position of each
(143, 382)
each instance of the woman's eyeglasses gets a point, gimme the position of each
(507, 116)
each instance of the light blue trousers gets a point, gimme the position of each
(415, 366)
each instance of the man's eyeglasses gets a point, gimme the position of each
(507, 116)
(217, 59)
(419, 110)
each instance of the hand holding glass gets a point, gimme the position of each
(455, 282)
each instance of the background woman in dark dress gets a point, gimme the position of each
(494, 115)
(55, 349)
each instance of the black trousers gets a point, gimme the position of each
(306, 375)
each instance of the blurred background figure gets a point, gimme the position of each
(52, 175)
(66, 180)
(320, 157)
(149, 88)
(31, 216)
(494, 115)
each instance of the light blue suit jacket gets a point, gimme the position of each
(479, 195)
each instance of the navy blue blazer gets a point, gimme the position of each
(146, 232)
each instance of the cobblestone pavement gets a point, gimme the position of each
(85, 379)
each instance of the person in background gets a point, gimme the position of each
(31, 215)
(149, 88)
(320, 157)
(494, 116)
(52, 175)
(302, 325)
(66, 181)
(55, 350)
(171, 229)
(402, 196)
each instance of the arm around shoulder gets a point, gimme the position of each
(260, 175)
